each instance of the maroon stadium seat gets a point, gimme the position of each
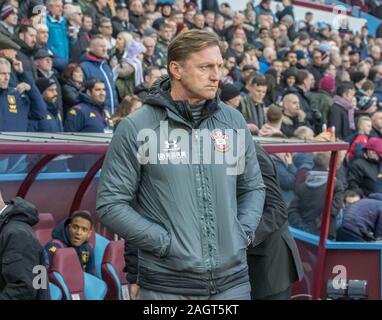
(66, 273)
(43, 229)
(112, 271)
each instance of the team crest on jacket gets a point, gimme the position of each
(12, 104)
(221, 143)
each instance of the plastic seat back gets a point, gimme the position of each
(112, 271)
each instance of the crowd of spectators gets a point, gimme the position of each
(81, 66)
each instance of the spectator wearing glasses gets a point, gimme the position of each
(106, 30)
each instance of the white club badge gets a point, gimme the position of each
(221, 140)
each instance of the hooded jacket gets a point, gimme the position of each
(364, 176)
(20, 252)
(97, 67)
(85, 252)
(191, 221)
(306, 209)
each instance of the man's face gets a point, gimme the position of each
(219, 23)
(354, 58)
(257, 92)
(292, 58)
(79, 231)
(332, 71)
(230, 63)
(238, 45)
(178, 18)
(152, 77)
(199, 21)
(317, 56)
(349, 95)
(238, 19)
(210, 19)
(376, 53)
(106, 29)
(149, 44)
(166, 10)
(136, 7)
(123, 14)
(29, 37)
(50, 94)
(98, 93)
(12, 19)
(240, 33)
(77, 17)
(100, 48)
(345, 62)
(309, 82)
(42, 35)
(56, 8)
(189, 15)
(275, 33)
(199, 74)
(292, 106)
(278, 66)
(45, 64)
(87, 24)
(5, 74)
(166, 34)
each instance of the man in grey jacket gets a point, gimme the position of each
(182, 184)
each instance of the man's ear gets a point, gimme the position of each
(90, 234)
(175, 70)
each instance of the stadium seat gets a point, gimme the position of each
(55, 292)
(66, 273)
(99, 244)
(43, 229)
(95, 289)
(112, 271)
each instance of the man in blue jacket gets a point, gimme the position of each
(53, 119)
(91, 114)
(94, 65)
(18, 106)
(74, 233)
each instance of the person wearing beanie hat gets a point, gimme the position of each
(302, 59)
(358, 78)
(230, 95)
(8, 20)
(44, 83)
(364, 173)
(53, 120)
(322, 100)
(328, 84)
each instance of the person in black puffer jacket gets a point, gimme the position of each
(20, 252)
